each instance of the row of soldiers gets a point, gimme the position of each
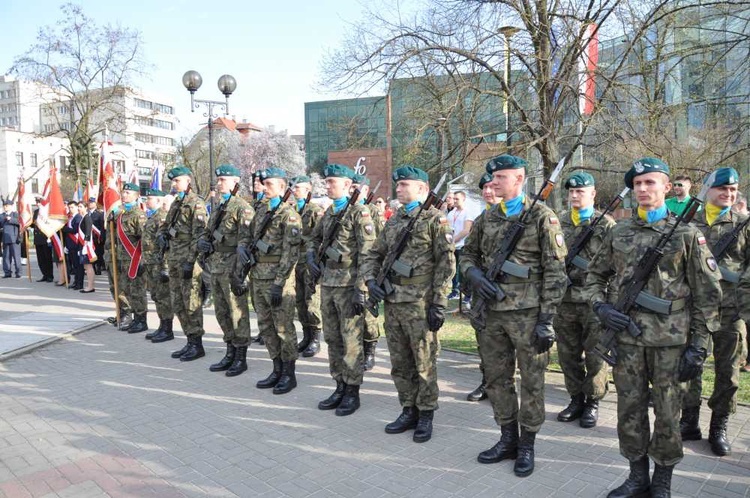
(409, 262)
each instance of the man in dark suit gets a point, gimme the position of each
(11, 227)
(97, 218)
(72, 247)
(43, 250)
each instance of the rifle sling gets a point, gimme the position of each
(415, 280)
(268, 259)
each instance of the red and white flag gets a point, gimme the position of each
(24, 209)
(109, 194)
(587, 69)
(52, 215)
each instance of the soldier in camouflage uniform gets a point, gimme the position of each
(520, 326)
(259, 193)
(576, 325)
(218, 246)
(342, 286)
(157, 273)
(307, 302)
(371, 332)
(188, 215)
(129, 229)
(490, 199)
(277, 251)
(415, 310)
(715, 221)
(671, 347)
(126, 319)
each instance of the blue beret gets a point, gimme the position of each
(486, 178)
(227, 170)
(643, 166)
(152, 192)
(580, 179)
(178, 171)
(338, 171)
(301, 179)
(360, 179)
(272, 173)
(410, 173)
(131, 186)
(726, 176)
(506, 161)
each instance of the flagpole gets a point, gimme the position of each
(113, 270)
(64, 263)
(28, 254)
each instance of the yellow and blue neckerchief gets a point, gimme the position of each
(513, 206)
(578, 216)
(653, 216)
(713, 213)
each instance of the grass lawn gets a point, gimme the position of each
(458, 334)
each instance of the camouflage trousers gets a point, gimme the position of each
(342, 331)
(159, 292)
(507, 338)
(306, 302)
(728, 341)
(122, 301)
(637, 366)
(231, 311)
(578, 332)
(371, 328)
(186, 298)
(276, 325)
(414, 350)
(133, 291)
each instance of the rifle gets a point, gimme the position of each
(634, 293)
(325, 251)
(392, 261)
(171, 223)
(371, 195)
(581, 241)
(439, 203)
(221, 211)
(500, 264)
(723, 245)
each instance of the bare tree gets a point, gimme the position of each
(266, 149)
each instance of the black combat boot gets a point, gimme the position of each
(574, 410)
(661, 483)
(369, 350)
(637, 485)
(288, 380)
(258, 339)
(156, 332)
(239, 364)
(314, 346)
(407, 420)
(423, 433)
(165, 335)
(139, 324)
(350, 401)
(506, 448)
(524, 465)
(590, 414)
(334, 400)
(690, 428)
(126, 320)
(479, 393)
(225, 362)
(717, 435)
(306, 338)
(273, 378)
(195, 349)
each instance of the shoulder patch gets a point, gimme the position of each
(559, 239)
(369, 229)
(449, 237)
(443, 220)
(702, 241)
(553, 220)
(711, 262)
(293, 219)
(200, 217)
(365, 214)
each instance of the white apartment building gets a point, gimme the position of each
(31, 155)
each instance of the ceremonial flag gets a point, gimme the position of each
(24, 209)
(91, 190)
(156, 178)
(587, 66)
(51, 216)
(78, 193)
(109, 194)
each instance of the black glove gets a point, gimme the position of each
(435, 317)
(187, 271)
(204, 246)
(164, 276)
(610, 317)
(243, 256)
(315, 270)
(237, 286)
(691, 363)
(481, 285)
(161, 241)
(376, 291)
(358, 302)
(544, 334)
(277, 292)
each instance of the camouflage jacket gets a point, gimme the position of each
(577, 276)
(226, 236)
(377, 218)
(429, 252)
(190, 213)
(283, 238)
(150, 230)
(311, 215)
(132, 222)
(541, 249)
(686, 271)
(353, 239)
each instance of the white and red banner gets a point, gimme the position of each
(24, 209)
(109, 193)
(52, 215)
(587, 69)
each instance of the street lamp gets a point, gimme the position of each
(507, 32)
(192, 80)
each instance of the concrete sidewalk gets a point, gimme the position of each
(105, 413)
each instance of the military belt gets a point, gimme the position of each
(268, 259)
(510, 279)
(226, 249)
(652, 304)
(415, 280)
(183, 236)
(577, 281)
(339, 265)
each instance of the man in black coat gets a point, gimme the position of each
(43, 251)
(11, 227)
(97, 218)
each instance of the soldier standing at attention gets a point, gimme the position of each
(259, 193)
(342, 286)
(716, 221)
(185, 222)
(307, 302)
(371, 332)
(576, 325)
(670, 348)
(519, 327)
(415, 310)
(157, 273)
(128, 230)
(276, 252)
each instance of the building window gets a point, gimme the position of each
(119, 166)
(19, 159)
(63, 162)
(144, 154)
(33, 160)
(34, 186)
